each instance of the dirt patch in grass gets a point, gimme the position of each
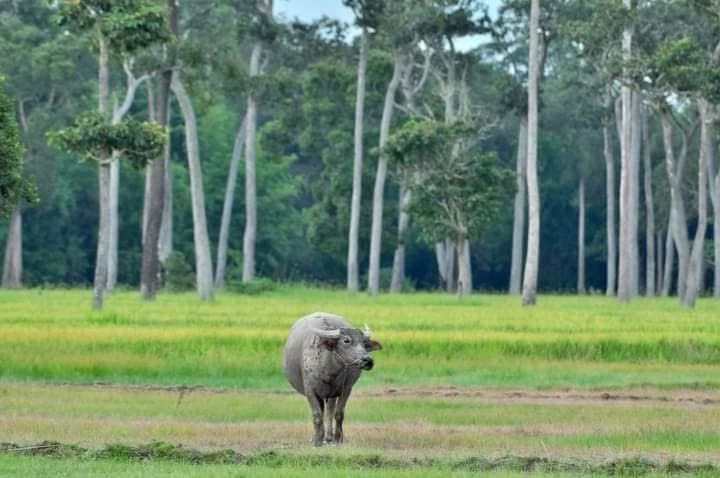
(652, 396)
(687, 397)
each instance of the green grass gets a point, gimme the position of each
(429, 339)
(441, 400)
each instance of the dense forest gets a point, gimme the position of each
(213, 142)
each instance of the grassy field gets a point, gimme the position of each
(575, 385)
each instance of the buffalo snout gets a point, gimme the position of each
(368, 363)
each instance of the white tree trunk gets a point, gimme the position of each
(464, 285)
(636, 148)
(714, 191)
(380, 175)
(677, 204)
(625, 279)
(224, 235)
(695, 268)
(581, 237)
(101, 259)
(353, 280)
(165, 247)
(649, 211)
(250, 181)
(398, 272)
(611, 213)
(519, 205)
(659, 266)
(451, 257)
(533, 249)
(114, 223)
(441, 254)
(203, 262)
(13, 266)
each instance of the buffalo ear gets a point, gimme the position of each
(372, 345)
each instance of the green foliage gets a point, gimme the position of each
(14, 188)
(683, 66)
(95, 140)
(128, 25)
(456, 193)
(254, 287)
(368, 13)
(179, 276)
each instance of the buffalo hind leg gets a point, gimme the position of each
(329, 419)
(317, 407)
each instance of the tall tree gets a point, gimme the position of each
(150, 270)
(411, 85)
(398, 24)
(119, 112)
(650, 263)
(126, 27)
(203, 262)
(34, 56)
(265, 10)
(533, 248)
(367, 16)
(626, 216)
(14, 188)
(457, 190)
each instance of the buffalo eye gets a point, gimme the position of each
(346, 340)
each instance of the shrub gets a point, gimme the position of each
(179, 276)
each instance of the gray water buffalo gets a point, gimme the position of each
(323, 358)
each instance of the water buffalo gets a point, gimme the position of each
(323, 358)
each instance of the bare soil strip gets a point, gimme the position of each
(652, 396)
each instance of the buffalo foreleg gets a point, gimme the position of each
(317, 406)
(329, 419)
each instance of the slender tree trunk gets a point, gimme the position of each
(101, 259)
(13, 264)
(519, 204)
(398, 273)
(150, 273)
(451, 257)
(166, 228)
(669, 258)
(441, 258)
(112, 267)
(625, 279)
(636, 148)
(611, 214)
(152, 116)
(660, 265)
(224, 235)
(464, 285)
(203, 262)
(649, 211)
(677, 204)
(533, 248)
(581, 237)
(714, 190)
(695, 269)
(716, 240)
(379, 190)
(250, 176)
(353, 281)
(13, 267)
